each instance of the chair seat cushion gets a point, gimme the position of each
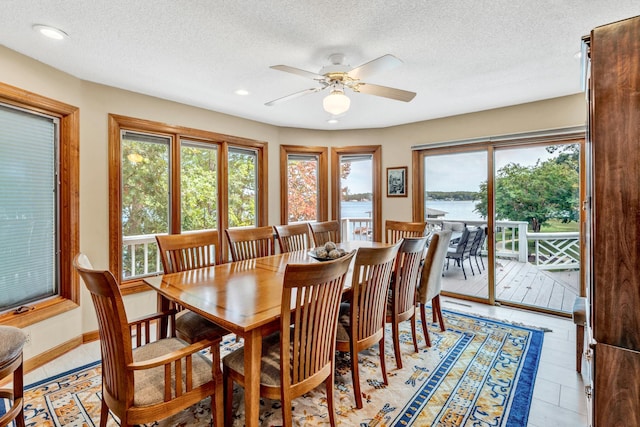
(192, 327)
(344, 323)
(149, 383)
(270, 361)
(11, 343)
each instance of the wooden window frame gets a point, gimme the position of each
(376, 152)
(68, 296)
(323, 181)
(117, 123)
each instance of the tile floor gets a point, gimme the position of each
(559, 389)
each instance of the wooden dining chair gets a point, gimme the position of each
(362, 320)
(398, 230)
(431, 280)
(156, 379)
(302, 355)
(188, 251)
(293, 237)
(402, 302)
(248, 243)
(323, 232)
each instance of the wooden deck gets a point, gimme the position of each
(517, 282)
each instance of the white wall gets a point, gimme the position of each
(97, 101)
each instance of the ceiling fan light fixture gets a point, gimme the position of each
(336, 102)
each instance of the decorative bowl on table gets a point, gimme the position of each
(327, 252)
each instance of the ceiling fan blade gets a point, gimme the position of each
(387, 92)
(384, 63)
(293, 96)
(299, 72)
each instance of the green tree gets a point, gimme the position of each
(536, 194)
(199, 187)
(145, 191)
(242, 189)
(145, 197)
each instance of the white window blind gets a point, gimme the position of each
(28, 208)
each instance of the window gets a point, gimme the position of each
(199, 184)
(243, 188)
(145, 200)
(170, 179)
(303, 184)
(38, 206)
(357, 176)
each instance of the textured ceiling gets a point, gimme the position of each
(459, 56)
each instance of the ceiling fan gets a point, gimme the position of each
(339, 76)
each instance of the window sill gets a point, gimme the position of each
(41, 311)
(134, 287)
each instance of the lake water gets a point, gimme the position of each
(455, 209)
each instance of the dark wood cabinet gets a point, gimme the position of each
(614, 294)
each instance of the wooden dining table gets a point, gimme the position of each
(244, 297)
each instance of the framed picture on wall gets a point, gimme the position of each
(397, 181)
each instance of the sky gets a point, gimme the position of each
(359, 180)
(453, 172)
(465, 171)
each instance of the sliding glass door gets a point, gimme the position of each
(522, 199)
(537, 239)
(454, 200)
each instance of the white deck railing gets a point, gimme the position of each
(552, 251)
(556, 251)
(146, 246)
(511, 236)
(356, 228)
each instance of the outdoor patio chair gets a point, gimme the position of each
(476, 246)
(462, 250)
(457, 228)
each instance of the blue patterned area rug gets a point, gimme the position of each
(479, 372)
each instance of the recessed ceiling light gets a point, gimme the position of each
(332, 121)
(242, 92)
(51, 32)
